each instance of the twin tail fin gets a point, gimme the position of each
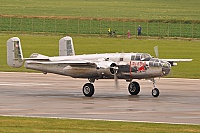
(14, 52)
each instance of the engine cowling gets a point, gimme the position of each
(106, 69)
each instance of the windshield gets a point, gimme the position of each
(145, 57)
(141, 57)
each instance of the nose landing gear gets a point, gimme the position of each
(155, 92)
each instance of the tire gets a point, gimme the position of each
(134, 88)
(88, 89)
(155, 92)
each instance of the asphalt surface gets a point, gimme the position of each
(38, 95)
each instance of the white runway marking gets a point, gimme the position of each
(22, 84)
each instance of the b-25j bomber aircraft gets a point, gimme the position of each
(128, 66)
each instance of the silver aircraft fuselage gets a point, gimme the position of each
(130, 66)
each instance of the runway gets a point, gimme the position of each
(38, 95)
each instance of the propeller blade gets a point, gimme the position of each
(116, 81)
(156, 51)
(115, 77)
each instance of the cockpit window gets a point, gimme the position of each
(141, 57)
(145, 57)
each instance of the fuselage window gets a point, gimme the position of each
(133, 57)
(137, 57)
(151, 63)
(156, 63)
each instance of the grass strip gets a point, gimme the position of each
(24, 125)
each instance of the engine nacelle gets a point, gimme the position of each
(106, 69)
(102, 69)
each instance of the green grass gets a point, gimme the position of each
(48, 125)
(179, 18)
(48, 45)
(145, 9)
(79, 26)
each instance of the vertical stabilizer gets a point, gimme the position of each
(14, 52)
(66, 47)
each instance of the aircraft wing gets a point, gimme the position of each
(72, 63)
(173, 61)
(178, 60)
(36, 58)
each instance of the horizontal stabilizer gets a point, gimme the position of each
(36, 56)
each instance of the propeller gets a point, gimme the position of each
(116, 68)
(156, 51)
(115, 77)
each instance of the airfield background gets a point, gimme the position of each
(95, 26)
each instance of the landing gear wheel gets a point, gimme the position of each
(88, 89)
(155, 92)
(134, 88)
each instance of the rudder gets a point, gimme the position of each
(14, 52)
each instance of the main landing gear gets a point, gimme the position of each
(134, 88)
(88, 89)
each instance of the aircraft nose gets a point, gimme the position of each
(166, 67)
